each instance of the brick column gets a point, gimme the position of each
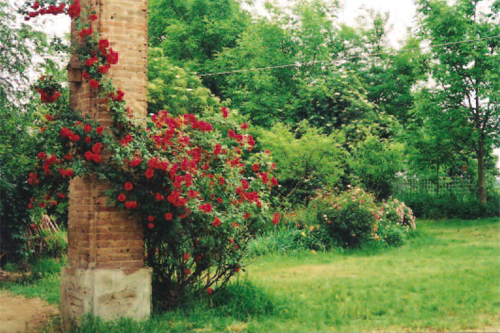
(105, 275)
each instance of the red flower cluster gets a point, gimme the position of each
(74, 10)
(206, 208)
(46, 98)
(33, 180)
(131, 204)
(66, 173)
(51, 9)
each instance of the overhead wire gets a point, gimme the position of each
(332, 62)
(325, 61)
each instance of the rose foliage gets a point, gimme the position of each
(193, 182)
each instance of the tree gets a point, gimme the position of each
(466, 71)
(20, 122)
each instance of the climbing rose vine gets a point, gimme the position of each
(194, 183)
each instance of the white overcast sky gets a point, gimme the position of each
(401, 17)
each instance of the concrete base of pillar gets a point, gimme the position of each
(108, 294)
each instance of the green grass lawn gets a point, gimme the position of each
(446, 278)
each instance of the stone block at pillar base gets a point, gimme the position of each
(108, 294)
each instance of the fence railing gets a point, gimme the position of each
(449, 186)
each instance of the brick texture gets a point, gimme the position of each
(100, 236)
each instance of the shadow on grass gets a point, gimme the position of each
(233, 307)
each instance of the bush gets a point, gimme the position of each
(348, 218)
(353, 218)
(306, 159)
(397, 213)
(394, 221)
(195, 183)
(428, 206)
(376, 163)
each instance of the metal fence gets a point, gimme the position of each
(449, 186)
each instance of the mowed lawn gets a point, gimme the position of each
(446, 278)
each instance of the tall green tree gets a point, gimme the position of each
(467, 75)
(20, 122)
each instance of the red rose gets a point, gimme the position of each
(276, 218)
(168, 216)
(94, 84)
(61, 195)
(265, 177)
(216, 222)
(104, 69)
(129, 186)
(187, 271)
(66, 132)
(244, 126)
(151, 218)
(119, 95)
(74, 10)
(225, 112)
(87, 128)
(100, 130)
(219, 200)
(91, 61)
(88, 155)
(53, 202)
(222, 181)
(97, 158)
(185, 256)
(131, 204)
(159, 197)
(274, 181)
(42, 204)
(88, 139)
(210, 291)
(151, 225)
(207, 208)
(103, 44)
(192, 194)
(112, 57)
(86, 75)
(149, 173)
(30, 206)
(42, 155)
(255, 168)
(93, 17)
(122, 197)
(97, 148)
(136, 161)
(74, 138)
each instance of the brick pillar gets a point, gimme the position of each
(105, 276)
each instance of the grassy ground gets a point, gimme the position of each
(445, 279)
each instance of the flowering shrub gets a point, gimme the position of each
(353, 217)
(194, 183)
(48, 88)
(349, 217)
(398, 213)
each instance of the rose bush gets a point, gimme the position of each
(353, 217)
(193, 182)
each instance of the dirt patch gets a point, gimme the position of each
(20, 314)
